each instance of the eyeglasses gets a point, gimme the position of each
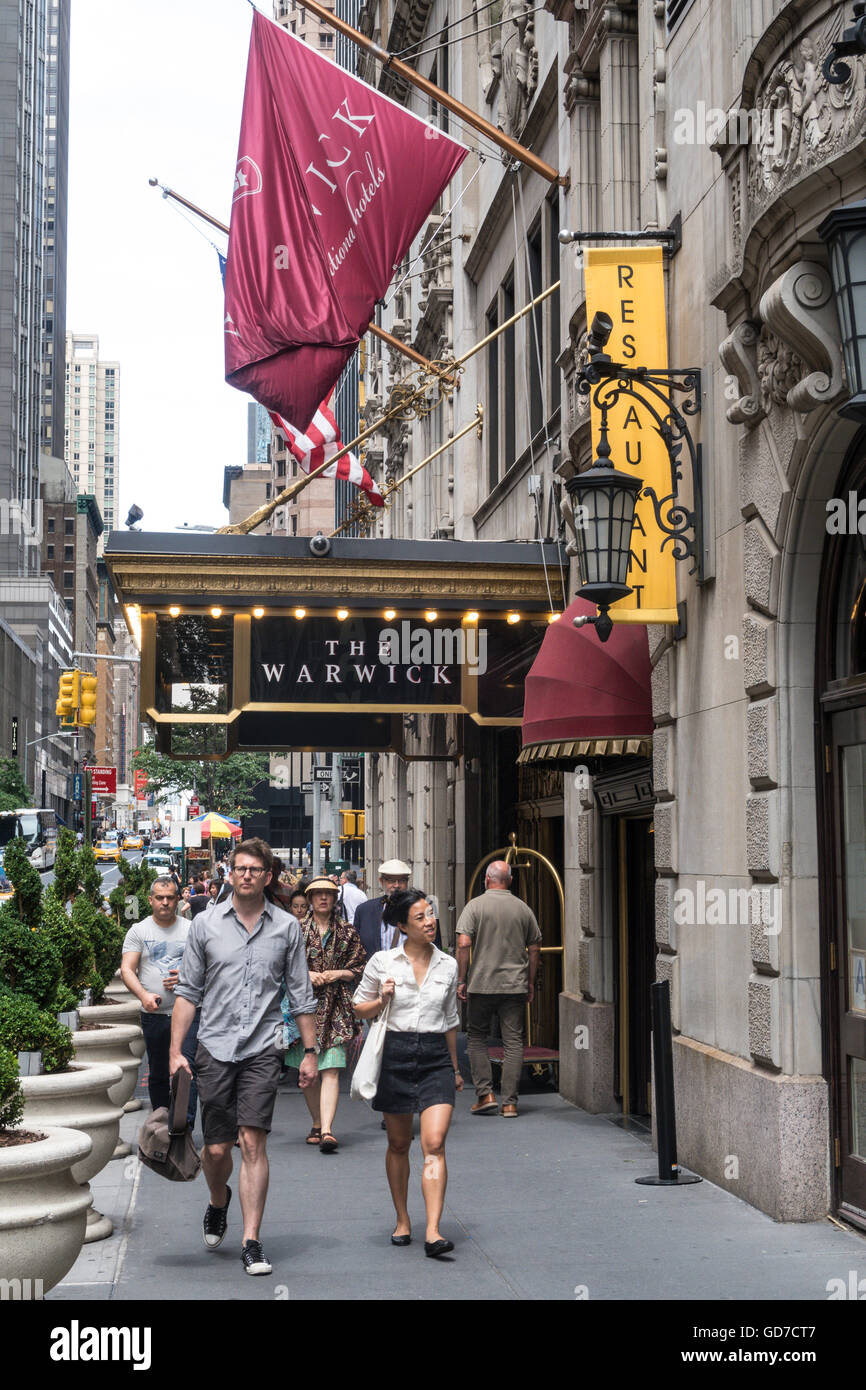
(242, 872)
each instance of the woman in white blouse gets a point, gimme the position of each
(419, 1064)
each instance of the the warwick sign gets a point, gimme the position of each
(323, 662)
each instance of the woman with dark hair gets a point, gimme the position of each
(419, 1072)
(298, 905)
(335, 959)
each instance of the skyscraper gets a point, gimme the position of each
(92, 424)
(23, 44)
(54, 256)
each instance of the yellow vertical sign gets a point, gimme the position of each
(628, 284)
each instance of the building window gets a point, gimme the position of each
(68, 579)
(68, 553)
(326, 40)
(49, 552)
(69, 527)
(674, 11)
(51, 525)
(492, 420)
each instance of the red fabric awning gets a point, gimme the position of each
(584, 697)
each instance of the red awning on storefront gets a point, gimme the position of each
(586, 698)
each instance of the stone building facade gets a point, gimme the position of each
(716, 120)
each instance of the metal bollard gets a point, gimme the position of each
(669, 1174)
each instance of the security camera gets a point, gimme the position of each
(599, 331)
(135, 514)
(320, 544)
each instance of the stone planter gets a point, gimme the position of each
(78, 1099)
(123, 1011)
(113, 1044)
(43, 1210)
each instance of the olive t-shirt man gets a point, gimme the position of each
(500, 928)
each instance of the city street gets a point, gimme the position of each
(542, 1208)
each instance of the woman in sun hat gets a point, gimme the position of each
(335, 959)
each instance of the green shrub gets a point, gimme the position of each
(25, 880)
(88, 876)
(71, 939)
(24, 1027)
(134, 882)
(11, 1098)
(106, 940)
(30, 962)
(66, 866)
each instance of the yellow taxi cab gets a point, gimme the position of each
(106, 849)
(133, 842)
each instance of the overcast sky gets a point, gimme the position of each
(157, 91)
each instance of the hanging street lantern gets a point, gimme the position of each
(844, 234)
(604, 501)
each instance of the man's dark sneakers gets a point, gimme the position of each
(253, 1258)
(216, 1219)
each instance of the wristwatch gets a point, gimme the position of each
(309, 1049)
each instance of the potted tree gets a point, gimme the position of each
(43, 1209)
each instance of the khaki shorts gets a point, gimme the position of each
(235, 1094)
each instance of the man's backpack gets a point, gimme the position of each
(165, 1143)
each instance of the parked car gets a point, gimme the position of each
(133, 842)
(107, 849)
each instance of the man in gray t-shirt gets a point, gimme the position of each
(152, 953)
(505, 940)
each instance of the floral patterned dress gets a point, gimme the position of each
(338, 948)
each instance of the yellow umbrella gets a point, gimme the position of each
(213, 824)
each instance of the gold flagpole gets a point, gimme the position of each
(385, 337)
(405, 404)
(465, 113)
(475, 424)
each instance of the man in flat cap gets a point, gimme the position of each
(375, 935)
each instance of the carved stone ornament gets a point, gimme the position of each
(739, 355)
(799, 310)
(519, 60)
(800, 121)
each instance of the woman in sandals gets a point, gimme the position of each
(418, 983)
(335, 960)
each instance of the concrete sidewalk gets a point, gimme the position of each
(542, 1207)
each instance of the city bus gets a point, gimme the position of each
(38, 828)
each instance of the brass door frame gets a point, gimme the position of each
(509, 853)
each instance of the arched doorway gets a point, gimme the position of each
(840, 686)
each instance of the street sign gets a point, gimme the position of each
(13, 743)
(194, 806)
(76, 786)
(103, 780)
(306, 786)
(322, 774)
(350, 774)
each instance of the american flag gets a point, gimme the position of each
(321, 441)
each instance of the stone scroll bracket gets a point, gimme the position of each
(799, 309)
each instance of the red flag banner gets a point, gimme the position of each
(333, 182)
(321, 441)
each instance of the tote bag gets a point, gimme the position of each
(365, 1081)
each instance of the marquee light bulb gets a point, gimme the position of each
(554, 617)
(471, 617)
(513, 618)
(216, 612)
(174, 610)
(390, 614)
(300, 612)
(430, 615)
(258, 612)
(342, 614)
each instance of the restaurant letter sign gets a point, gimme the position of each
(628, 284)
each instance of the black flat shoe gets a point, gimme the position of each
(401, 1240)
(433, 1249)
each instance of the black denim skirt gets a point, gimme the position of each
(416, 1073)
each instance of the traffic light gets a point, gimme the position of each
(347, 825)
(360, 823)
(87, 701)
(68, 691)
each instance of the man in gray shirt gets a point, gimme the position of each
(240, 956)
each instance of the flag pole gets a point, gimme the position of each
(465, 113)
(387, 338)
(474, 424)
(406, 403)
